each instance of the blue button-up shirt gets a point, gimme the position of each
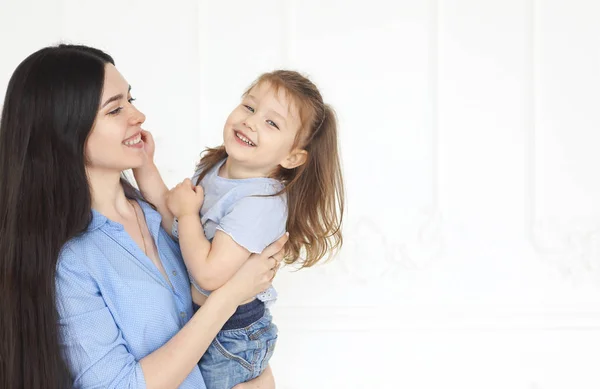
(115, 306)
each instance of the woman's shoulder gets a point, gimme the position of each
(73, 261)
(83, 248)
(75, 247)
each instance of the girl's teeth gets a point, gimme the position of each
(243, 138)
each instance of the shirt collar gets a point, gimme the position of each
(97, 221)
(153, 219)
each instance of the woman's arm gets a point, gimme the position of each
(97, 352)
(263, 381)
(151, 183)
(169, 365)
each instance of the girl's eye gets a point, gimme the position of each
(131, 100)
(249, 108)
(272, 124)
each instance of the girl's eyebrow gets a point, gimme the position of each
(249, 96)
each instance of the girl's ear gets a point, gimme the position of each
(294, 159)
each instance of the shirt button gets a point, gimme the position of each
(174, 273)
(182, 314)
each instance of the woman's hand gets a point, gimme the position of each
(264, 381)
(256, 273)
(149, 145)
(148, 169)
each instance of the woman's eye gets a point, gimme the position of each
(116, 111)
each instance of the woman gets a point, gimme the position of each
(74, 233)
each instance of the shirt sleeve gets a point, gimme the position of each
(255, 222)
(92, 342)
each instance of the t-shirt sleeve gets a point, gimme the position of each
(255, 222)
(194, 178)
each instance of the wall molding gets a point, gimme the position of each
(570, 244)
(358, 319)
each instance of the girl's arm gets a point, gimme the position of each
(248, 227)
(209, 265)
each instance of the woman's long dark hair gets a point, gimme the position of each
(50, 107)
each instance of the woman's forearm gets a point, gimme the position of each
(263, 381)
(168, 366)
(155, 191)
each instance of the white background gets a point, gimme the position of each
(469, 136)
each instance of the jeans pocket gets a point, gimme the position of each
(270, 343)
(266, 336)
(243, 351)
(251, 347)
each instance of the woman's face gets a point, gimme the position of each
(115, 142)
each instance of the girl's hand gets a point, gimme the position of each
(257, 273)
(185, 199)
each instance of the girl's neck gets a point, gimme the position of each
(108, 196)
(235, 171)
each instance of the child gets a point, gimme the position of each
(278, 170)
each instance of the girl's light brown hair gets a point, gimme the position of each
(315, 190)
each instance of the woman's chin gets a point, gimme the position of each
(134, 163)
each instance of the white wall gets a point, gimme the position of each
(469, 132)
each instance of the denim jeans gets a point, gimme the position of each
(240, 354)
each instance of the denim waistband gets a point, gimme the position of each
(245, 315)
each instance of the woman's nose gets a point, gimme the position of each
(137, 117)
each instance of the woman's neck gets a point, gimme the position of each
(108, 196)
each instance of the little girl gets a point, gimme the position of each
(278, 170)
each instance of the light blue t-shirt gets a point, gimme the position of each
(245, 210)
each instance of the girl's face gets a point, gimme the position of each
(259, 134)
(115, 142)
